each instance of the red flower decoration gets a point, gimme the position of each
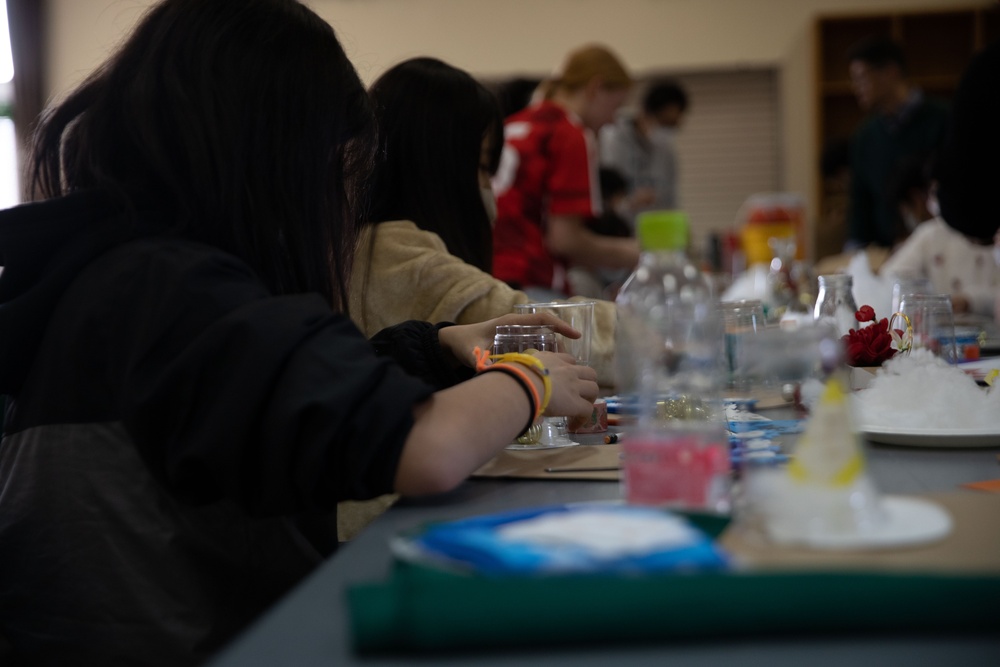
(870, 345)
(865, 314)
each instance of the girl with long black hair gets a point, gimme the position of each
(188, 399)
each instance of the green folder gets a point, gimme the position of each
(426, 609)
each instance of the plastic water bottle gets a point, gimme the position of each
(670, 364)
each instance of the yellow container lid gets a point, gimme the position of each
(756, 236)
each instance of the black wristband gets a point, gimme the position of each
(527, 390)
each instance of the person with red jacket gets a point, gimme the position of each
(547, 186)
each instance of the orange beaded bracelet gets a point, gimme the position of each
(515, 371)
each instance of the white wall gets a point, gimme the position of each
(500, 37)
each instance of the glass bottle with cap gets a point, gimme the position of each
(835, 303)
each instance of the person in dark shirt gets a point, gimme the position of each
(969, 169)
(188, 398)
(902, 123)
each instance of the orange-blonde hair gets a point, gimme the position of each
(585, 63)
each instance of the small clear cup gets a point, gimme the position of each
(929, 319)
(577, 314)
(546, 432)
(909, 284)
(739, 319)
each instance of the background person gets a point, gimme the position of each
(902, 123)
(641, 147)
(546, 184)
(969, 171)
(612, 221)
(958, 250)
(954, 264)
(516, 94)
(911, 187)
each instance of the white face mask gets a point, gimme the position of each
(490, 204)
(662, 133)
(933, 207)
(910, 221)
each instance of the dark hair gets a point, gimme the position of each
(877, 52)
(969, 170)
(909, 173)
(835, 158)
(609, 223)
(432, 119)
(243, 120)
(515, 94)
(612, 183)
(662, 94)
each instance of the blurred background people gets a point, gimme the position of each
(969, 168)
(958, 250)
(640, 146)
(911, 188)
(902, 122)
(546, 185)
(516, 94)
(614, 220)
(954, 264)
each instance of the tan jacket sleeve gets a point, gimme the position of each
(405, 273)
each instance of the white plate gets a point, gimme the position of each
(543, 445)
(932, 437)
(908, 521)
(980, 367)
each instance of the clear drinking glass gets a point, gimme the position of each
(909, 284)
(580, 316)
(523, 338)
(929, 317)
(739, 319)
(803, 357)
(528, 338)
(577, 314)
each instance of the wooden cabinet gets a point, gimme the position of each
(938, 45)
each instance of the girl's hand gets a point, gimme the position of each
(574, 387)
(462, 339)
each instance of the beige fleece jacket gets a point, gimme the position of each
(409, 275)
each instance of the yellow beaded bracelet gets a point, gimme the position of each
(532, 362)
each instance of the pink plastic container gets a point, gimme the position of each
(679, 469)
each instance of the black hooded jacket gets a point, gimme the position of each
(170, 424)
